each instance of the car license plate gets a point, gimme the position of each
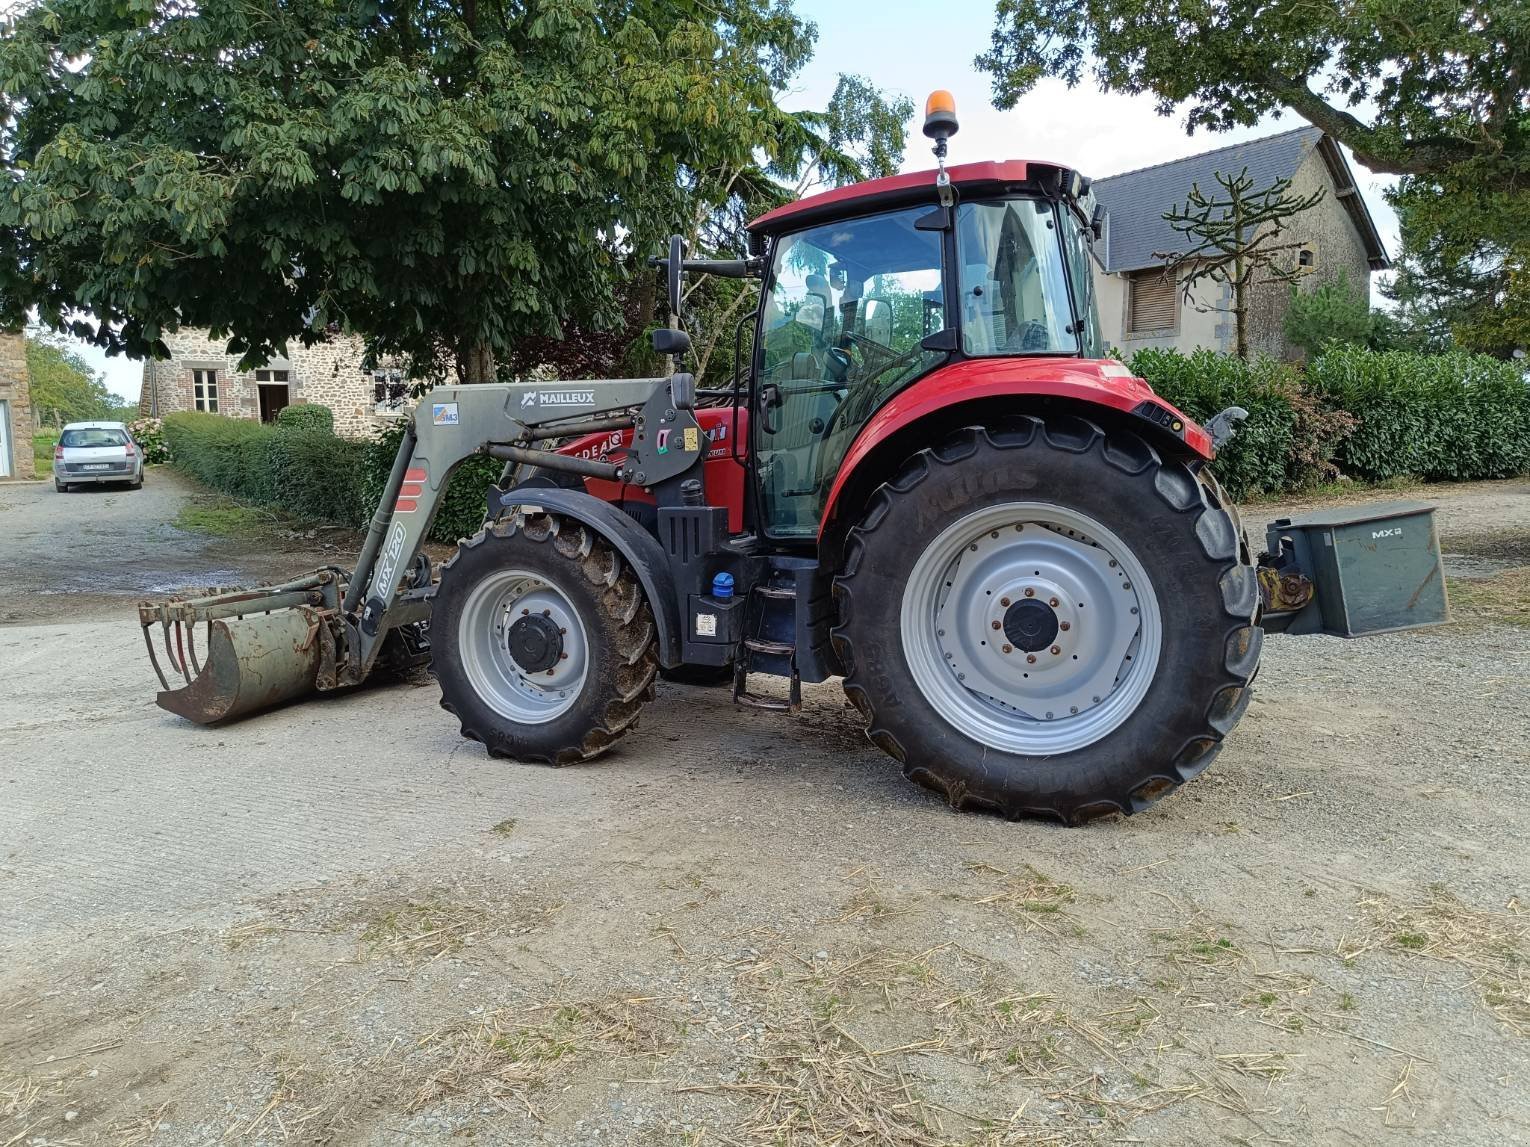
(98, 465)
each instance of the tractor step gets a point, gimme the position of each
(763, 611)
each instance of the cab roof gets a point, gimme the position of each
(990, 177)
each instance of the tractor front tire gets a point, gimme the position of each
(1046, 618)
(542, 641)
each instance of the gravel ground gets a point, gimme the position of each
(340, 923)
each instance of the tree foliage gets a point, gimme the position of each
(64, 387)
(1333, 312)
(1463, 274)
(445, 178)
(1440, 84)
(1235, 236)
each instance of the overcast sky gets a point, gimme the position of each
(911, 48)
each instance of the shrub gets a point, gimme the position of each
(228, 454)
(462, 509)
(309, 473)
(1287, 440)
(306, 416)
(149, 433)
(1333, 313)
(1449, 416)
(316, 475)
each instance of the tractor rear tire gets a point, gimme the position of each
(587, 620)
(970, 721)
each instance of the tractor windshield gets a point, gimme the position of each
(846, 307)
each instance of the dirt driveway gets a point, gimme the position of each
(341, 923)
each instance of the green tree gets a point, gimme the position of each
(1439, 84)
(1234, 237)
(1463, 273)
(1434, 92)
(64, 387)
(1333, 312)
(445, 178)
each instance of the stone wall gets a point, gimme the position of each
(326, 374)
(1337, 250)
(16, 393)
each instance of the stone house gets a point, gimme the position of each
(201, 375)
(15, 408)
(1140, 306)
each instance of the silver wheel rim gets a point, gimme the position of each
(483, 631)
(1016, 563)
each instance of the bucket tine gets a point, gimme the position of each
(191, 646)
(148, 642)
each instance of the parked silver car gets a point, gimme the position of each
(96, 452)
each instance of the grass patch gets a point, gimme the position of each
(1494, 947)
(224, 518)
(504, 827)
(419, 931)
(1503, 598)
(1026, 894)
(517, 1053)
(42, 452)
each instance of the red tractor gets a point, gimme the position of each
(927, 479)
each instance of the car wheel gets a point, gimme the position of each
(61, 487)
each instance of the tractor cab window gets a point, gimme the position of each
(846, 307)
(1014, 294)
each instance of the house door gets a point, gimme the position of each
(5, 439)
(273, 396)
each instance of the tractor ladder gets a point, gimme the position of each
(769, 644)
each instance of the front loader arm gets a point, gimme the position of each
(452, 424)
(268, 645)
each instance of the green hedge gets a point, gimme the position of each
(462, 510)
(313, 474)
(306, 416)
(1451, 416)
(1352, 411)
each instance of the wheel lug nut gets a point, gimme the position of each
(1030, 659)
(1029, 592)
(995, 625)
(563, 657)
(1011, 649)
(1004, 601)
(1065, 626)
(1056, 649)
(525, 613)
(1052, 602)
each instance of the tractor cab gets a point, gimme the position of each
(870, 289)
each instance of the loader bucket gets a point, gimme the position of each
(252, 663)
(259, 648)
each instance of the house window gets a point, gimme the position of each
(204, 385)
(273, 391)
(1306, 259)
(1150, 301)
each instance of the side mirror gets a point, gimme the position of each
(676, 258)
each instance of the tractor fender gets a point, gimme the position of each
(640, 549)
(1087, 382)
